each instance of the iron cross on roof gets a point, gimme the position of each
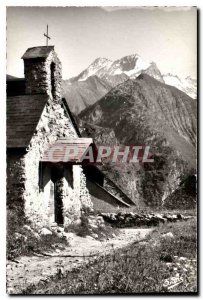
(47, 35)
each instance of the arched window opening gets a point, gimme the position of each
(53, 83)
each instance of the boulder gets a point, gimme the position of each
(92, 225)
(160, 218)
(27, 227)
(95, 235)
(168, 235)
(31, 231)
(182, 258)
(153, 221)
(60, 229)
(179, 217)
(171, 218)
(166, 258)
(45, 231)
(70, 238)
(89, 237)
(19, 236)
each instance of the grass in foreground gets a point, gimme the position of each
(140, 268)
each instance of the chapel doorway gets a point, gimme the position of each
(57, 174)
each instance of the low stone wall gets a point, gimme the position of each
(132, 219)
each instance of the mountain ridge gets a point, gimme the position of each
(112, 73)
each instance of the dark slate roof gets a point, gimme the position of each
(23, 114)
(38, 52)
(15, 87)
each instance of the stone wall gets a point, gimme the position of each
(85, 197)
(15, 179)
(54, 124)
(38, 75)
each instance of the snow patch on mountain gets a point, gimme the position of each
(99, 64)
(130, 65)
(188, 85)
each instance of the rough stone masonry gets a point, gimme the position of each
(35, 121)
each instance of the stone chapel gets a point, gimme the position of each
(49, 193)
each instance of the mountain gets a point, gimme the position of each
(188, 85)
(81, 94)
(102, 75)
(98, 66)
(154, 72)
(131, 65)
(145, 111)
(106, 74)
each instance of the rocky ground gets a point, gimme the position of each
(29, 270)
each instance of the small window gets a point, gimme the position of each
(41, 177)
(44, 175)
(53, 83)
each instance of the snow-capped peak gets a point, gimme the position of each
(97, 65)
(132, 66)
(101, 61)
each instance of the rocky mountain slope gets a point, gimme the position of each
(103, 74)
(81, 94)
(144, 111)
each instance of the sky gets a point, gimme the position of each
(166, 36)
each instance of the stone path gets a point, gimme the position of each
(29, 270)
